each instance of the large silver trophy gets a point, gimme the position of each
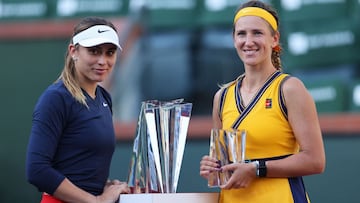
(159, 146)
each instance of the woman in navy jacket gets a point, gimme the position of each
(72, 137)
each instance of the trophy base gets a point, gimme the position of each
(170, 197)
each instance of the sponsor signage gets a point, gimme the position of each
(329, 95)
(219, 12)
(294, 10)
(166, 13)
(48, 9)
(71, 8)
(23, 9)
(317, 43)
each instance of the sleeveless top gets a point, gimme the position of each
(268, 136)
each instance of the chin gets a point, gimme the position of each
(251, 63)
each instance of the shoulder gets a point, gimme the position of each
(55, 96)
(218, 93)
(54, 92)
(293, 84)
(295, 93)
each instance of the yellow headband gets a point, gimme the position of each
(256, 11)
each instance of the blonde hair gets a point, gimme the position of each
(232, 82)
(68, 74)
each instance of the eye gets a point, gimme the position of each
(257, 32)
(241, 33)
(94, 51)
(111, 52)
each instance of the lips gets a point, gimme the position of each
(252, 51)
(100, 71)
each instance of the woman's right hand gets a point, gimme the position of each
(208, 165)
(112, 192)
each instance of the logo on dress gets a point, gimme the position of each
(105, 104)
(268, 103)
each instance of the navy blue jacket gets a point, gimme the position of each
(70, 140)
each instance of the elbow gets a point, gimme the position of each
(34, 174)
(44, 178)
(319, 169)
(32, 181)
(31, 176)
(319, 166)
(39, 181)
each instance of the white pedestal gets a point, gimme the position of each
(170, 198)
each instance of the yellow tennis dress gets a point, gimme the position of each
(269, 136)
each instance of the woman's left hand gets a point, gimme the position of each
(116, 182)
(242, 175)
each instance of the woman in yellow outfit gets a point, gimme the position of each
(284, 140)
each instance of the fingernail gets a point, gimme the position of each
(218, 164)
(218, 169)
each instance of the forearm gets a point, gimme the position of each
(68, 192)
(300, 164)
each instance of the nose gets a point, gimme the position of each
(102, 59)
(249, 40)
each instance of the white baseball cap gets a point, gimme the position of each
(95, 35)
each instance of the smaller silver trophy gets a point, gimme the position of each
(227, 146)
(159, 146)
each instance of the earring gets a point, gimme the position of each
(74, 58)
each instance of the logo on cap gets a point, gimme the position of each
(101, 31)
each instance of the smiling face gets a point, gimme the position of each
(93, 64)
(254, 40)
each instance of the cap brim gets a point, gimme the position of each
(97, 41)
(96, 35)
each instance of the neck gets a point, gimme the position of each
(254, 80)
(90, 90)
(250, 87)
